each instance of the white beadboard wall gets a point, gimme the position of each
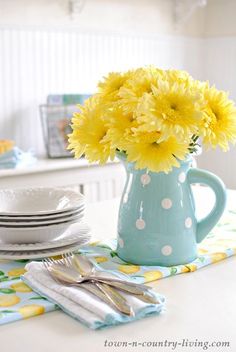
(35, 62)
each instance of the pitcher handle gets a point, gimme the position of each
(205, 225)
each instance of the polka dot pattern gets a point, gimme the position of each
(166, 203)
(188, 223)
(166, 250)
(168, 206)
(145, 179)
(182, 177)
(140, 224)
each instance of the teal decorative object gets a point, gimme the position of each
(157, 223)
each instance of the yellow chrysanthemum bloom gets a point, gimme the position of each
(154, 116)
(110, 86)
(120, 125)
(134, 88)
(150, 151)
(172, 109)
(89, 132)
(219, 124)
(179, 76)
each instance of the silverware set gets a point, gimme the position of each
(78, 271)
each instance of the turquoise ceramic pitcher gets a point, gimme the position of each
(157, 223)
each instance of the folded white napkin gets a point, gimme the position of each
(16, 158)
(81, 304)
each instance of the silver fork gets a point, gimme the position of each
(86, 285)
(63, 274)
(85, 267)
(97, 274)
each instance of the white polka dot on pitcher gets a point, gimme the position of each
(166, 203)
(145, 179)
(188, 222)
(166, 250)
(182, 177)
(121, 242)
(140, 224)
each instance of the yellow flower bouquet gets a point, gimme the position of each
(156, 117)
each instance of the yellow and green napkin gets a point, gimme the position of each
(18, 301)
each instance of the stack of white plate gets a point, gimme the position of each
(41, 222)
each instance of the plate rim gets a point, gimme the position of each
(42, 227)
(80, 199)
(32, 223)
(43, 216)
(17, 247)
(44, 253)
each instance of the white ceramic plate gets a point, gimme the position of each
(42, 217)
(41, 253)
(34, 234)
(34, 201)
(33, 223)
(76, 232)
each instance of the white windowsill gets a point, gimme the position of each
(45, 165)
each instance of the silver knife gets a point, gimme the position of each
(85, 267)
(94, 289)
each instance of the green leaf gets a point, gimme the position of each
(173, 271)
(38, 297)
(7, 290)
(4, 278)
(2, 273)
(7, 311)
(113, 254)
(202, 259)
(127, 264)
(22, 260)
(105, 246)
(7, 278)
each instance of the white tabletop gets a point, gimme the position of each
(201, 307)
